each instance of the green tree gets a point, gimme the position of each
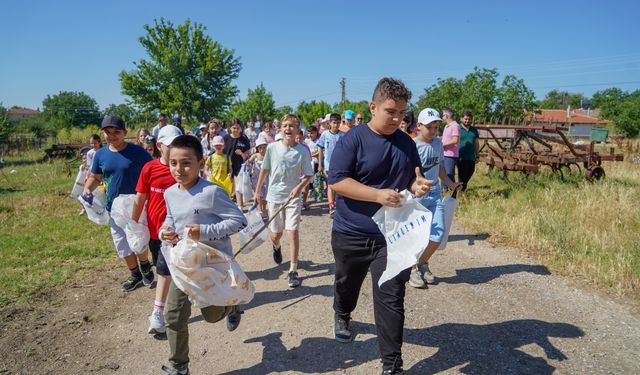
(310, 111)
(608, 101)
(445, 93)
(556, 99)
(357, 107)
(280, 111)
(480, 94)
(514, 99)
(124, 111)
(5, 130)
(187, 72)
(71, 109)
(627, 118)
(258, 101)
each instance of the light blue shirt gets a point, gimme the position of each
(285, 165)
(431, 158)
(327, 142)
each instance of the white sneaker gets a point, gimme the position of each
(426, 274)
(156, 322)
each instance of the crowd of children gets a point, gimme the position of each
(195, 184)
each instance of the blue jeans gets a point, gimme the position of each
(450, 169)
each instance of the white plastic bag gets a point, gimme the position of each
(78, 185)
(208, 276)
(449, 204)
(254, 225)
(96, 211)
(243, 184)
(137, 234)
(406, 229)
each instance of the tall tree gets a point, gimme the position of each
(627, 118)
(556, 99)
(445, 93)
(310, 111)
(187, 72)
(71, 109)
(514, 99)
(608, 101)
(4, 123)
(479, 93)
(258, 101)
(357, 107)
(124, 111)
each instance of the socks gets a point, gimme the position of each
(294, 266)
(135, 272)
(158, 305)
(145, 266)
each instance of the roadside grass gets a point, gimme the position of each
(44, 243)
(577, 228)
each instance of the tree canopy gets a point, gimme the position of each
(71, 109)
(556, 99)
(186, 73)
(258, 101)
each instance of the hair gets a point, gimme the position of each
(151, 140)
(95, 137)
(467, 113)
(391, 88)
(215, 121)
(235, 121)
(408, 118)
(162, 115)
(313, 128)
(188, 142)
(449, 112)
(335, 117)
(290, 117)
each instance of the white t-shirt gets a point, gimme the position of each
(286, 165)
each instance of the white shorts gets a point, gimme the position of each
(119, 239)
(288, 218)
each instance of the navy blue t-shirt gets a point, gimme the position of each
(382, 162)
(120, 170)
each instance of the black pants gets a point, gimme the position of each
(354, 256)
(465, 171)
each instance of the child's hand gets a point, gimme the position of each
(421, 185)
(294, 193)
(88, 197)
(167, 234)
(194, 231)
(256, 197)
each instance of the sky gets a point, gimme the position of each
(300, 50)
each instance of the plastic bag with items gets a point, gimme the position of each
(406, 229)
(243, 184)
(95, 206)
(255, 225)
(137, 234)
(208, 276)
(78, 185)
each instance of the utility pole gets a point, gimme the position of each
(343, 85)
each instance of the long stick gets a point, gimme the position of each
(255, 235)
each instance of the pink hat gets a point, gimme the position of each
(217, 140)
(261, 141)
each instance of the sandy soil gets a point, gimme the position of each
(493, 311)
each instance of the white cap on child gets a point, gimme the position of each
(168, 133)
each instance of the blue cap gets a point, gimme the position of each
(112, 122)
(349, 114)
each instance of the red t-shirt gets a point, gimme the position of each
(154, 179)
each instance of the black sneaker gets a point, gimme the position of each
(172, 371)
(277, 254)
(294, 280)
(134, 281)
(342, 330)
(147, 277)
(233, 319)
(394, 369)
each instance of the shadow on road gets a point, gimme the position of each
(482, 275)
(470, 238)
(482, 349)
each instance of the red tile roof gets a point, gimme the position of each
(22, 111)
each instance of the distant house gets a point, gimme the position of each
(580, 122)
(20, 113)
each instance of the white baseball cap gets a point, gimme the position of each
(261, 141)
(428, 115)
(168, 133)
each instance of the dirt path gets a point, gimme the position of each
(492, 312)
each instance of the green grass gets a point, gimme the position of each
(44, 243)
(577, 228)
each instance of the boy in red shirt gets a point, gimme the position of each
(155, 178)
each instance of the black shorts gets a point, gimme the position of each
(158, 259)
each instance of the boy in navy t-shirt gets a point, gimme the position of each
(369, 167)
(118, 165)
